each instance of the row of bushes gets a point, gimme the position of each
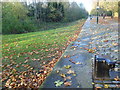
(15, 19)
(21, 17)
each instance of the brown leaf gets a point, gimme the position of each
(26, 61)
(46, 50)
(30, 53)
(91, 50)
(69, 77)
(27, 57)
(66, 56)
(67, 84)
(90, 42)
(115, 44)
(86, 48)
(72, 61)
(94, 48)
(105, 41)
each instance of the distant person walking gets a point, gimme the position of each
(90, 17)
(104, 15)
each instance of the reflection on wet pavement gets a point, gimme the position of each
(93, 39)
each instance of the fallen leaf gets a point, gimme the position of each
(74, 48)
(106, 86)
(94, 48)
(62, 75)
(58, 83)
(90, 42)
(67, 84)
(30, 53)
(27, 57)
(57, 71)
(67, 66)
(115, 44)
(43, 62)
(70, 72)
(72, 61)
(66, 56)
(26, 61)
(6, 45)
(91, 50)
(74, 74)
(46, 50)
(86, 48)
(98, 87)
(69, 77)
(105, 41)
(117, 78)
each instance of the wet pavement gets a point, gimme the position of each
(94, 39)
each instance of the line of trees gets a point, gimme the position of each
(15, 19)
(109, 8)
(119, 9)
(20, 17)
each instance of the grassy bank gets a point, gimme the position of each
(28, 58)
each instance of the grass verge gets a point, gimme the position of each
(28, 58)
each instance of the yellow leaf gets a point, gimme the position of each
(91, 51)
(67, 66)
(74, 74)
(57, 71)
(70, 72)
(62, 75)
(106, 86)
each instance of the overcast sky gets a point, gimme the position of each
(87, 4)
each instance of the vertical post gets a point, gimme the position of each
(97, 16)
(95, 65)
(97, 11)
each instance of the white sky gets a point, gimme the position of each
(87, 4)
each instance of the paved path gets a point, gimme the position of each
(101, 38)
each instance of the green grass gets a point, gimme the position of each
(14, 45)
(52, 25)
(23, 49)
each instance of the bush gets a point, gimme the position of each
(14, 19)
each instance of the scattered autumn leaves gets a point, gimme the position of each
(28, 76)
(115, 83)
(67, 80)
(101, 21)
